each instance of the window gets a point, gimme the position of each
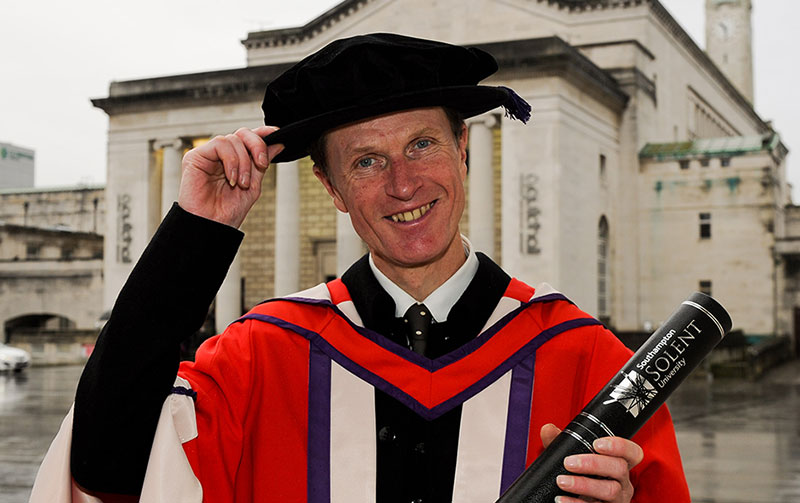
(602, 271)
(32, 250)
(684, 164)
(602, 168)
(704, 162)
(705, 286)
(705, 225)
(725, 162)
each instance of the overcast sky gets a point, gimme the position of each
(56, 55)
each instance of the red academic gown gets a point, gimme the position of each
(284, 396)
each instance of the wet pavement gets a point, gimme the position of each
(32, 405)
(740, 440)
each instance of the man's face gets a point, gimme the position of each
(401, 178)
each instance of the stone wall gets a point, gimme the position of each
(80, 209)
(51, 273)
(736, 258)
(258, 247)
(51, 254)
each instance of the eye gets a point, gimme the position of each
(423, 143)
(366, 162)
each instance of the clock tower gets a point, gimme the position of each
(729, 41)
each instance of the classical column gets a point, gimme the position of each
(481, 184)
(229, 297)
(172, 150)
(287, 228)
(348, 244)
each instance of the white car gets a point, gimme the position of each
(13, 358)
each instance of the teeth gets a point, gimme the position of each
(408, 216)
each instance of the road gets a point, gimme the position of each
(739, 440)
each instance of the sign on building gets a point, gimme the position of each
(16, 166)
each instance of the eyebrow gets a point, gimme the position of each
(350, 150)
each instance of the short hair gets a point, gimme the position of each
(317, 148)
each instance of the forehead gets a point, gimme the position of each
(373, 132)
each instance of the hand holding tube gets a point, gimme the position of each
(603, 476)
(632, 396)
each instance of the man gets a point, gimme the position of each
(327, 395)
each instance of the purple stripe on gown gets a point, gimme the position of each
(317, 341)
(319, 426)
(518, 422)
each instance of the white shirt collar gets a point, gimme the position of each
(441, 300)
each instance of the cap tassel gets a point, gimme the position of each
(516, 107)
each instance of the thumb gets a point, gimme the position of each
(273, 150)
(548, 433)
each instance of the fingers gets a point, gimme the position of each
(262, 153)
(620, 447)
(253, 139)
(259, 152)
(602, 476)
(251, 152)
(590, 489)
(239, 160)
(613, 473)
(222, 152)
(608, 470)
(241, 155)
(241, 164)
(272, 150)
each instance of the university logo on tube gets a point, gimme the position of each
(633, 393)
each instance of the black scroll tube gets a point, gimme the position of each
(632, 396)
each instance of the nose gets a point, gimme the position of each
(403, 180)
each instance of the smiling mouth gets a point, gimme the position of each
(408, 216)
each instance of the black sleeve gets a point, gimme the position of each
(135, 360)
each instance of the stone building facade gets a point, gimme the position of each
(80, 209)
(51, 267)
(568, 199)
(712, 212)
(50, 278)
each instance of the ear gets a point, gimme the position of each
(463, 142)
(328, 184)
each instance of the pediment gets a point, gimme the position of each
(466, 22)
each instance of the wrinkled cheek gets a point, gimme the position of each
(366, 226)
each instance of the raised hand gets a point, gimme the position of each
(221, 180)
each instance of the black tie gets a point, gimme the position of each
(418, 322)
